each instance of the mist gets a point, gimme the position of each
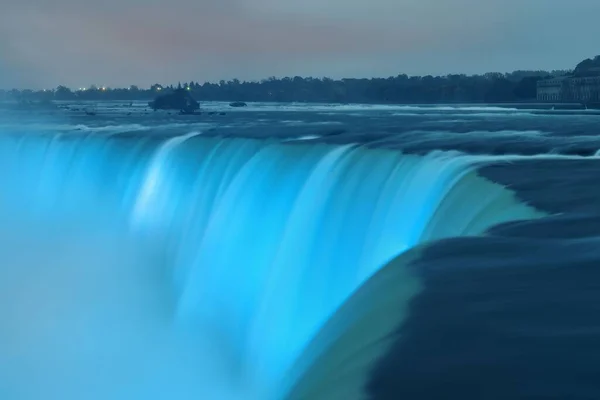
(87, 312)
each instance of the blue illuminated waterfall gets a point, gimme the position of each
(259, 247)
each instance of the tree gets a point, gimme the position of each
(63, 93)
(526, 89)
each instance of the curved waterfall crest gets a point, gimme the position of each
(274, 248)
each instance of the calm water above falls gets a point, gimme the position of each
(299, 252)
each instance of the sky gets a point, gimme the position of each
(78, 43)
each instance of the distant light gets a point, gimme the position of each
(189, 88)
(158, 88)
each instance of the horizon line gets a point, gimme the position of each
(278, 78)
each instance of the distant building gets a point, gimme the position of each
(581, 87)
(569, 90)
(550, 89)
(583, 90)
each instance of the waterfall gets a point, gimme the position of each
(255, 245)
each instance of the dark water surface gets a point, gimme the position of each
(513, 315)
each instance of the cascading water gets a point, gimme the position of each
(233, 253)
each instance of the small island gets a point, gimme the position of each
(179, 99)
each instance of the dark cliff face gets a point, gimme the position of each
(179, 99)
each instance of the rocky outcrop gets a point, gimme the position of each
(238, 104)
(179, 99)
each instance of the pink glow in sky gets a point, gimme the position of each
(123, 42)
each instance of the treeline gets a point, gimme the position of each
(488, 88)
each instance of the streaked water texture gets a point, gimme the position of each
(193, 266)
